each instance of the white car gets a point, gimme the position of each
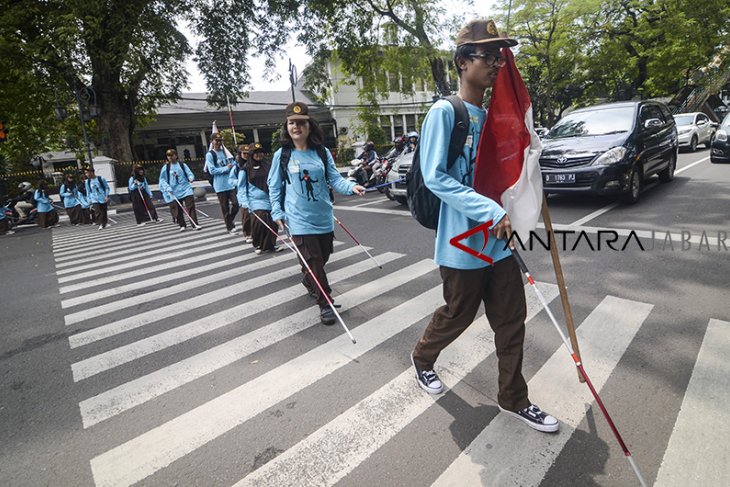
(693, 129)
(397, 177)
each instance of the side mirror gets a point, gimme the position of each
(652, 123)
(702, 123)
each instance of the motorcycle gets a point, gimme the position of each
(380, 173)
(13, 217)
(358, 172)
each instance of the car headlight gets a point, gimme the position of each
(611, 156)
(721, 136)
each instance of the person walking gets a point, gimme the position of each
(239, 179)
(141, 195)
(258, 202)
(47, 214)
(219, 165)
(176, 182)
(310, 220)
(86, 215)
(467, 280)
(97, 192)
(69, 194)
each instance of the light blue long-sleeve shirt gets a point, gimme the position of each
(238, 178)
(307, 207)
(257, 199)
(97, 190)
(462, 208)
(144, 186)
(181, 178)
(69, 195)
(44, 203)
(219, 170)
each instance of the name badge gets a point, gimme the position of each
(469, 141)
(294, 167)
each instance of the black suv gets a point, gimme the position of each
(610, 149)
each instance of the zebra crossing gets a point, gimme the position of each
(154, 314)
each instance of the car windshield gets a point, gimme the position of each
(684, 119)
(604, 121)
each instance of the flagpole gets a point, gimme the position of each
(233, 127)
(561, 281)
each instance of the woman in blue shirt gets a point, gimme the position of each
(69, 194)
(141, 195)
(47, 215)
(97, 193)
(257, 201)
(307, 208)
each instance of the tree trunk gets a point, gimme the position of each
(438, 70)
(116, 121)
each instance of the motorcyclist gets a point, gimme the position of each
(23, 202)
(368, 158)
(399, 145)
(412, 141)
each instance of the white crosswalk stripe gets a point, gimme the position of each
(101, 293)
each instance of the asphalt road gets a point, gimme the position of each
(144, 355)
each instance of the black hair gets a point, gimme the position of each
(315, 139)
(463, 52)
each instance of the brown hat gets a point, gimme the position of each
(482, 31)
(171, 152)
(216, 136)
(255, 147)
(297, 111)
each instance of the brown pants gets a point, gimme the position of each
(262, 237)
(74, 215)
(100, 213)
(246, 222)
(316, 250)
(143, 207)
(500, 288)
(229, 207)
(179, 216)
(46, 219)
(86, 216)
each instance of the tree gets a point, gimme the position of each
(129, 53)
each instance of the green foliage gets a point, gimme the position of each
(368, 124)
(275, 139)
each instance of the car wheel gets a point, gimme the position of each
(402, 200)
(632, 195)
(387, 193)
(708, 145)
(693, 144)
(667, 174)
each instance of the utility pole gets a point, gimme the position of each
(78, 93)
(292, 79)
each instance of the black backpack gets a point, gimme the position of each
(284, 168)
(425, 205)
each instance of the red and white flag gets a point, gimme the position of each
(507, 167)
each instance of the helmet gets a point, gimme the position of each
(25, 186)
(412, 134)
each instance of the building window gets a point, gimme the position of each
(411, 122)
(393, 82)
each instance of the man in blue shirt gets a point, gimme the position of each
(97, 192)
(467, 280)
(219, 166)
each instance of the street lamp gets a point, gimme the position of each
(86, 98)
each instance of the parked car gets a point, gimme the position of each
(720, 151)
(610, 149)
(541, 131)
(693, 129)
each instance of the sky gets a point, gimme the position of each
(196, 83)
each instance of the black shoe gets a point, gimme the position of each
(327, 316)
(310, 291)
(535, 418)
(428, 380)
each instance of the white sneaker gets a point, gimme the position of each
(249, 239)
(233, 232)
(10, 232)
(533, 417)
(101, 227)
(159, 220)
(141, 224)
(182, 229)
(258, 251)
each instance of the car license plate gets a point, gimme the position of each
(560, 178)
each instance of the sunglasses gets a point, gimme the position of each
(490, 59)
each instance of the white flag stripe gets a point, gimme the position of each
(164, 257)
(108, 235)
(154, 281)
(141, 348)
(127, 260)
(130, 245)
(491, 458)
(152, 295)
(336, 449)
(150, 386)
(142, 456)
(697, 452)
